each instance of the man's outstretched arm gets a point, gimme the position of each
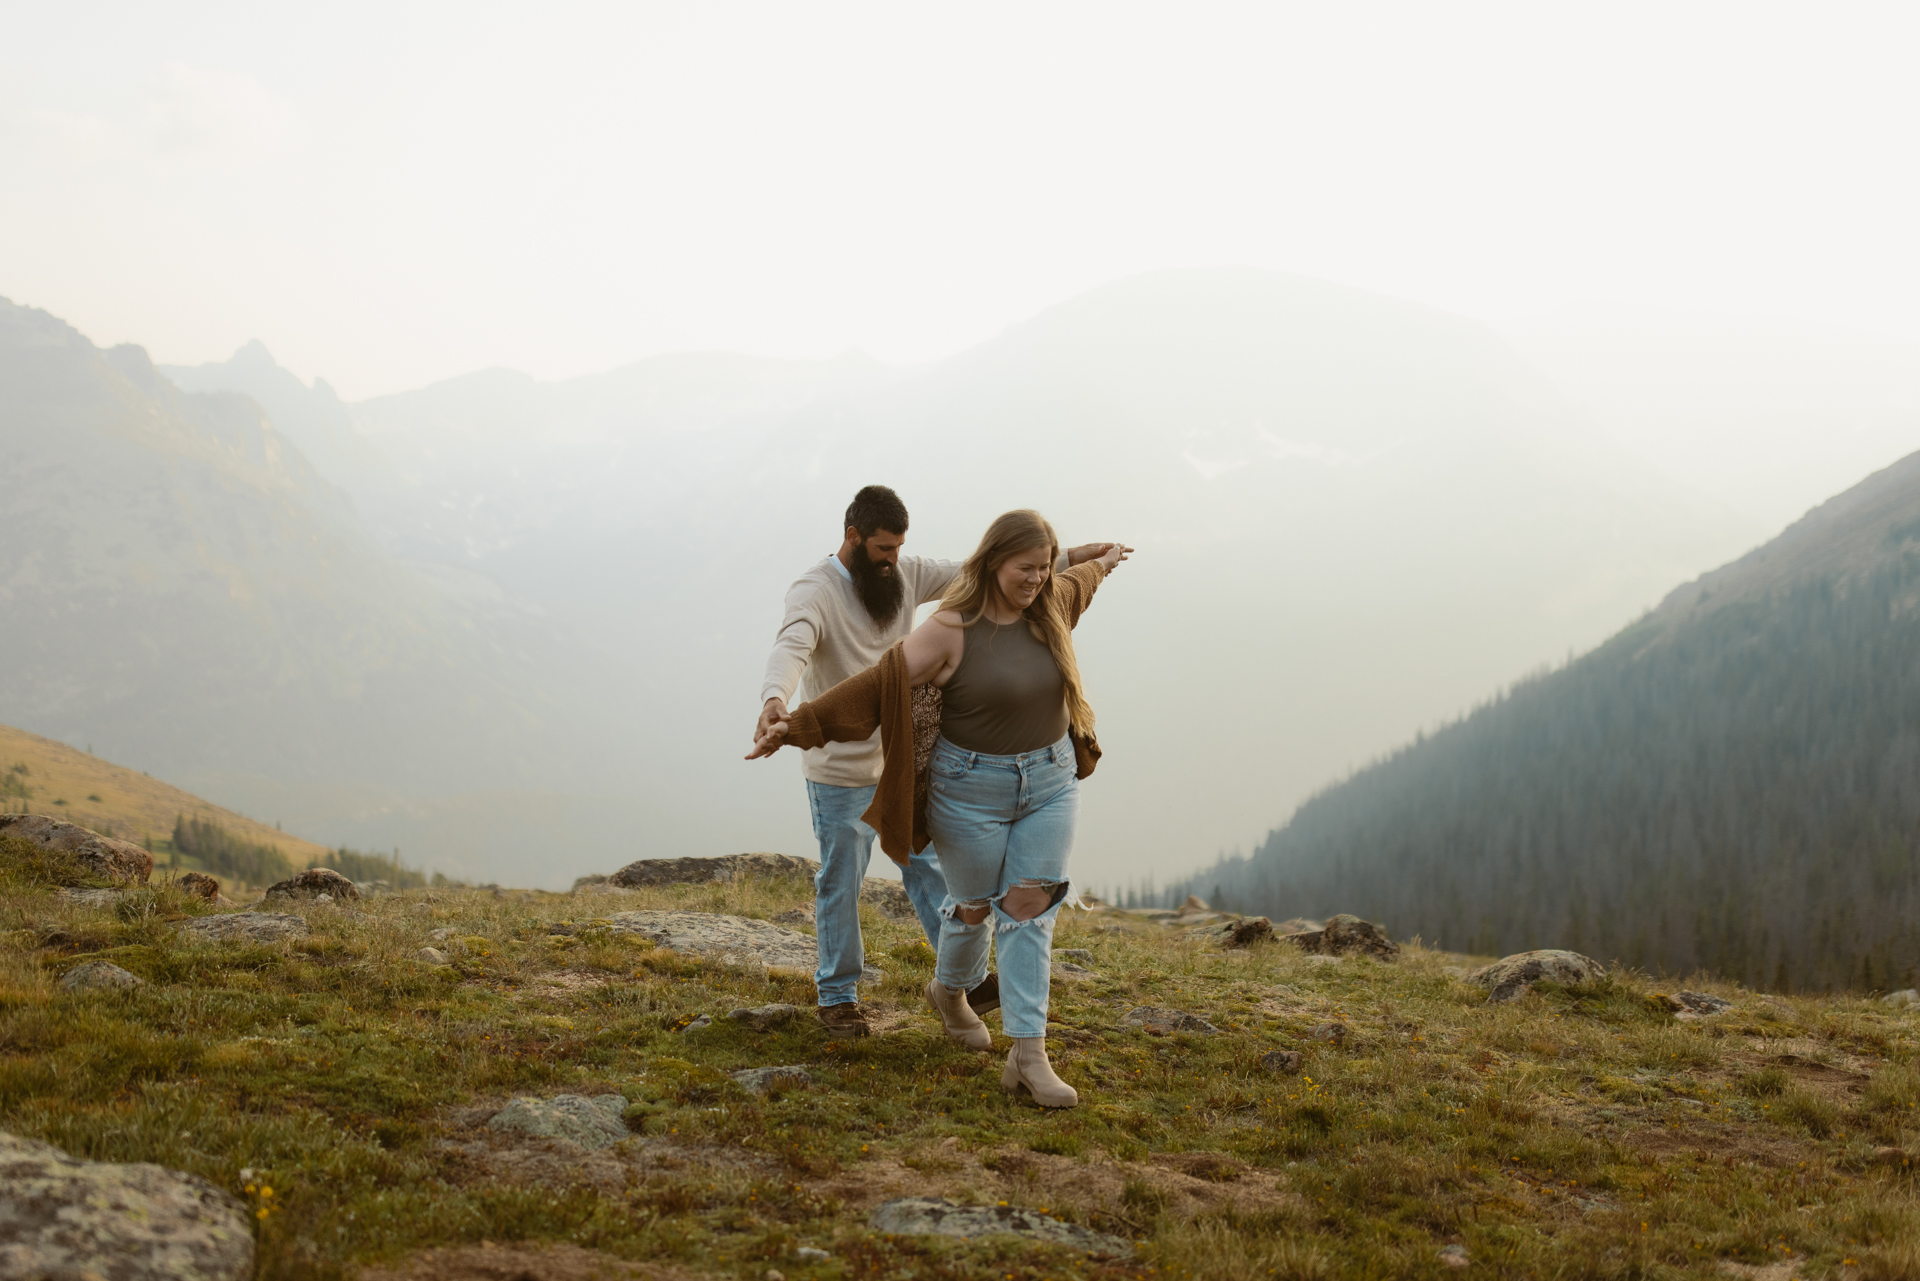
(792, 649)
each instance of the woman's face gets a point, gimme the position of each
(1022, 575)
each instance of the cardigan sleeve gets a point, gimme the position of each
(1080, 583)
(849, 712)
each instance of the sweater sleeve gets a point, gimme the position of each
(930, 577)
(849, 712)
(792, 648)
(1079, 584)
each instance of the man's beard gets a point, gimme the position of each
(881, 592)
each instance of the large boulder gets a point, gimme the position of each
(315, 883)
(1512, 977)
(250, 927)
(121, 862)
(592, 1122)
(648, 872)
(99, 976)
(63, 1218)
(733, 940)
(1344, 935)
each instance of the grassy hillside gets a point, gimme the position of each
(341, 1086)
(81, 788)
(1726, 785)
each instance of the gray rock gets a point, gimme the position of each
(593, 1122)
(647, 872)
(432, 956)
(103, 857)
(765, 1017)
(731, 940)
(96, 976)
(1299, 925)
(811, 1254)
(1905, 996)
(762, 1079)
(937, 1216)
(1282, 1062)
(694, 1025)
(89, 898)
(795, 916)
(1345, 935)
(65, 1219)
(1164, 1022)
(588, 882)
(1081, 955)
(1068, 972)
(1701, 1004)
(1454, 1256)
(1512, 977)
(1331, 1033)
(252, 927)
(314, 883)
(889, 898)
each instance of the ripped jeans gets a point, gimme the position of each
(1002, 822)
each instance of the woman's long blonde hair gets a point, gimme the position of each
(1010, 534)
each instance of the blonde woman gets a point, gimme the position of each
(998, 790)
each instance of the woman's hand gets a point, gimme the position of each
(1115, 553)
(769, 740)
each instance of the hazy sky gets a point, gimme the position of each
(388, 194)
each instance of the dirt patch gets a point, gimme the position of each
(488, 1262)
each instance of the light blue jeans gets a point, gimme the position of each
(1002, 822)
(846, 847)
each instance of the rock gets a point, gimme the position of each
(889, 898)
(694, 1024)
(373, 889)
(121, 862)
(1078, 955)
(937, 1216)
(588, 882)
(1344, 935)
(1331, 1033)
(647, 872)
(314, 883)
(63, 1218)
(1236, 931)
(796, 916)
(89, 898)
(1282, 1062)
(1512, 977)
(98, 976)
(1890, 1156)
(764, 1017)
(593, 1122)
(1323, 960)
(200, 885)
(1454, 1256)
(1905, 996)
(432, 956)
(811, 1253)
(733, 940)
(1068, 972)
(1193, 904)
(252, 927)
(762, 1079)
(1700, 1004)
(1164, 1022)
(1299, 925)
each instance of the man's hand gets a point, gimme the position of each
(1114, 554)
(775, 710)
(1086, 552)
(768, 741)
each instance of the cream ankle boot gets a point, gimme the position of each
(962, 1024)
(1027, 1065)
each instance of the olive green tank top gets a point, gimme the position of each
(1007, 696)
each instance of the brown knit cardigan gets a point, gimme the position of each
(880, 698)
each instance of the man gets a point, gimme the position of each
(841, 616)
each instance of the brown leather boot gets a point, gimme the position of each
(843, 1022)
(984, 997)
(962, 1024)
(1027, 1066)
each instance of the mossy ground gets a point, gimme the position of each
(338, 1085)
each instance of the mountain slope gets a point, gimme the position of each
(1728, 784)
(41, 776)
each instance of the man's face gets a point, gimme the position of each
(883, 549)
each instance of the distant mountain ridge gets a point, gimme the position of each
(1731, 783)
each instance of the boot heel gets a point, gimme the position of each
(1011, 1079)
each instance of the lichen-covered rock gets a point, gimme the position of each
(762, 1079)
(734, 940)
(1283, 1062)
(1331, 1033)
(66, 1219)
(646, 872)
(762, 1018)
(121, 862)
(99, 976)
(1512, 977)
(432, 956)
(200, 885)
(315, 883)
(592, 882)
(1164, 1022)
(1345, 935)
(1700, 1005)
(251, 927)
(593, 1123)
(937, 1216)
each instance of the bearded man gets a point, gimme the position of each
(841, 616)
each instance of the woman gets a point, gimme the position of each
(998, 792)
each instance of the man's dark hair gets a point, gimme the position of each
(876, 507)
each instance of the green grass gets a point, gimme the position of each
(337, 1085)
